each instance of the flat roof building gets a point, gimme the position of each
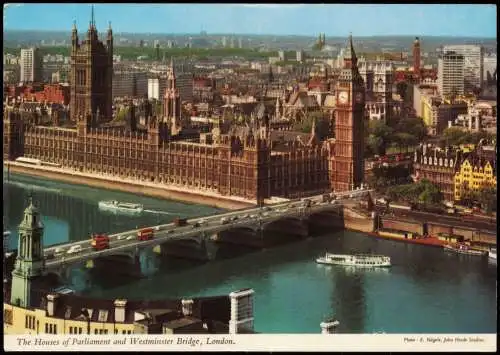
(451, 74)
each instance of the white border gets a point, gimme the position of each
(255, 342)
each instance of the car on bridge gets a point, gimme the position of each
(59, 250)
(74, 249)
(49, 254)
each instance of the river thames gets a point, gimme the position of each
(425, 291)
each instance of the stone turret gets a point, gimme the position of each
(29, 262)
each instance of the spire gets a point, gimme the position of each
(92, 19)
(350, 60)
(314, 136)
(74, 26)
(353, 53)
(278, 111)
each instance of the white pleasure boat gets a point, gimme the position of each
(460, 248)
(492, 253)
(117, 206)
(360, 260)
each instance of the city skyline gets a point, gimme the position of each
(264, 19)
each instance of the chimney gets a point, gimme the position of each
(51, 304)
(241, 311)
(329, 327)
(187, 307)
(120, 308)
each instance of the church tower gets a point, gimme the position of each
(347, 160)
(172, 102)
(416, 59)
(29, 262)
(91, 77)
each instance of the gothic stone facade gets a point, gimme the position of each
(234, 165)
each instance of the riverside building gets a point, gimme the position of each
(251, 162)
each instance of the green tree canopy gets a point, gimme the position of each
(379, 136)
(424, 192)
(456, 136)
(122, 114)
(487, 197)
(412, 125)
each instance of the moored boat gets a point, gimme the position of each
(359, 260)
(117, 206)
(492, 253)
(464, 249)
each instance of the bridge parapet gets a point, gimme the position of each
(257, 219)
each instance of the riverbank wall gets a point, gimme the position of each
(135, 187)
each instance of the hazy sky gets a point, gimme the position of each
(279, 19)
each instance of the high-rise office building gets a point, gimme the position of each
(489, 68)
(451, 74)
(473, 64)
(31, 65)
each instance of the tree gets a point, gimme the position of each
(403, 139)
(413, 126)
(380, 136)
(431, 195)
(401, 89)
(456, 136)
(423, 192)
(122, 114)
(453, 136)
(487, 197)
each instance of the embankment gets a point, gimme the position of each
(147, 189)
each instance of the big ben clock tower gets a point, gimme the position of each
(347, 160)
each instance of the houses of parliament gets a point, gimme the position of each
(249, 161)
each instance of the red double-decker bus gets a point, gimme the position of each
(145, 234)
(100, 241)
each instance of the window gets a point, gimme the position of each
(50, 328)
(30, 322)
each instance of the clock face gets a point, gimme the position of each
(343, 97)
(359, 97)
